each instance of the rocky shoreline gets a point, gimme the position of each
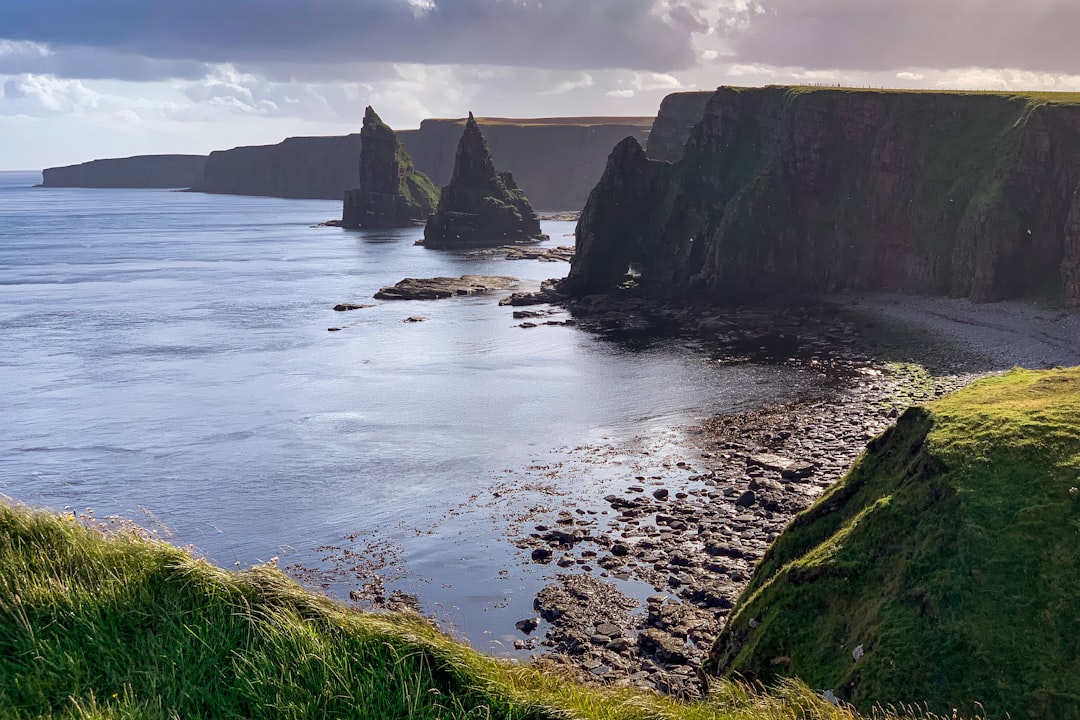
(694, 531)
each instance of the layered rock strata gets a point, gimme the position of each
(480, 206)
(392, 193)
(784, 190)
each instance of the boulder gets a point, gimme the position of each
(480, 206)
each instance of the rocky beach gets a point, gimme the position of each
(694, 530)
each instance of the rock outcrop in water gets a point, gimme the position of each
(480, 206)
(392, 193)
(785, 190)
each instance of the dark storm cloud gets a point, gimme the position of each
(1038, 35)
(91, 64)
(529, 33)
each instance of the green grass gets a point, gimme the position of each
(107, 625)
(950, 552)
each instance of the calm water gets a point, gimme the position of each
(165, 357)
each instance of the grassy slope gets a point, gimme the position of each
(949, 553)
(104, 626)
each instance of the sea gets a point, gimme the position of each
(167, 358)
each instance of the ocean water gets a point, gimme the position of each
(164, 356)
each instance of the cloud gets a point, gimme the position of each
(1034, 35)
(651, 35)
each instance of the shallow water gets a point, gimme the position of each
(165, 357)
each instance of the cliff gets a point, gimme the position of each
(679, 113)
(942, 570)
(141, 171)
(786, 190)
(479, 206)
(557, 161)
(392, 193)
(299, 167)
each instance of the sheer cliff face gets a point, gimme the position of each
(784, 190)
(142, 171)
(679, 113)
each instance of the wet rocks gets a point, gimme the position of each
(347, 307)
(444, 287)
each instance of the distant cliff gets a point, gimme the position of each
(298, 167)
(142, 171)
(802, 189)
(556, 161)
(679, 113)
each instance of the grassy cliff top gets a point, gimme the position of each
(944, 568)
(1067, 98)
(110, 625)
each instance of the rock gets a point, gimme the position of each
(746, 499)
(333, 329)
(415, 319)
(787, 467)
(480, 206)
(662, 646)
(392, 193)
(612, 631)
(562, 253)
(541, 554)
(528, 625)
(345, 307)
(444, 287)
(660, 494)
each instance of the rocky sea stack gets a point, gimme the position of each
(392, 193)
(942, 570)
(480, 206)
(783, 190)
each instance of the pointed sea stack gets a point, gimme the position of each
(480, 206)
(392, 192)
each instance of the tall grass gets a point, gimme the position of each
(112, 625)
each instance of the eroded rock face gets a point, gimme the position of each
(480, 206)
(784, 190)
(392, 193)
(679, 113)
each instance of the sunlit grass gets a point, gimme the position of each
(113, 625)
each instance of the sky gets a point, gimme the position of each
(85, 79)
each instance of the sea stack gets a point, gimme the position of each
(480, 206)
(392, 192)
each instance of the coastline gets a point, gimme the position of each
(695, 531)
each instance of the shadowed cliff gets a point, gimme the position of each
(803, 189)
(556, 161)
(480, 206)
(141, 171)
(391, 193)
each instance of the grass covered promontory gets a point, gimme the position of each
(945, 568)
(102, 625)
